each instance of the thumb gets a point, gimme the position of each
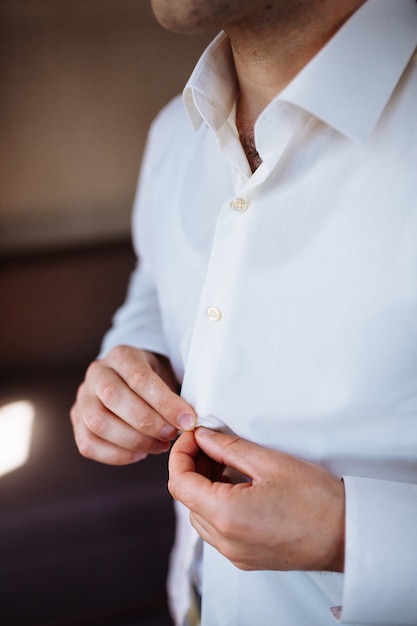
(232, 451)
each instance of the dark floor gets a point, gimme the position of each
(156, 620)
(81, 544)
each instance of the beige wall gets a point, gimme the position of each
(80, 80)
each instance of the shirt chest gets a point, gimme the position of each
(293, 299)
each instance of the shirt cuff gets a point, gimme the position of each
(380, 582)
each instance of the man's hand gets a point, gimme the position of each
(127, 408)
(287, 515)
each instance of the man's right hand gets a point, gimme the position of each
(127, 408)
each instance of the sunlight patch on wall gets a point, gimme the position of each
(16, 423)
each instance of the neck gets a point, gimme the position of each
(271, 47)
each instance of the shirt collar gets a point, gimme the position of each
(211, 91)
(346, 85)
(349, 82)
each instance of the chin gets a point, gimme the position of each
(185, 17)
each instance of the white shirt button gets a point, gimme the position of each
(240, 205)
(214, 314)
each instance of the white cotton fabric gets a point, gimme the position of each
(313, 345)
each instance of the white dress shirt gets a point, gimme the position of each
(286, 301)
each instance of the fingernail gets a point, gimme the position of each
(202, 430)
(139, 456)
(169, 432)
(186, 421)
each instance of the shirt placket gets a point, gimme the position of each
(215, 314)
(218, 313)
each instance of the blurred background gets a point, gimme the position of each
(80, 81)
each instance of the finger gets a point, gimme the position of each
(200, 463)
(229, 548)
(98, 449)
(196, 491)
(210, 534)
(243, 456)
(145, 383)
(105, 425)
(206, 531)
(122, 402)
(94, 423)
(185, 481)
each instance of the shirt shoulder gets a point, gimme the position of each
(171, 137)
(171, 124)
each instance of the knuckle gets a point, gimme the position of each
(85, 449)
(95, 423)
(166, 404)
(108, 392)
(91, 371)
(138, 378)
(237, 445)
(118, 353)
(146, 424)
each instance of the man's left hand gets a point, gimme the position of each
(286, 514)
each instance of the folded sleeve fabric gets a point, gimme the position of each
(381, 545)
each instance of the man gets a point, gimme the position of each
(276, 234)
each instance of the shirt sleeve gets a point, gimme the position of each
(138, 322)
(380, 582)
